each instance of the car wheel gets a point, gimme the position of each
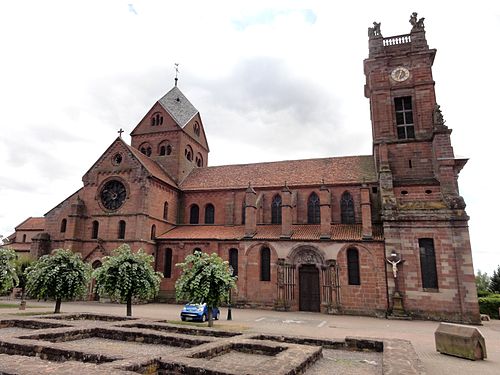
(203, 318)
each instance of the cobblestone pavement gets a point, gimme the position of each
(420, 333)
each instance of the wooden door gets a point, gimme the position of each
(309, 298)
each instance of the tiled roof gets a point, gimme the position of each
(339, 170)
(32, 223)
(152, 166)
(300, 232)
(178, 106)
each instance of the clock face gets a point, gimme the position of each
(400, 74)
(113, 194)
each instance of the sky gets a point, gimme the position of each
(273, 80)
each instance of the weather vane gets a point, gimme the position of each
(176, 73)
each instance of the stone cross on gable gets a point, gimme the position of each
(120, 132)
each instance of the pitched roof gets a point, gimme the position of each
(178, 106)
(151, 166)
(32, 223)
(300, 232)
(337, 170)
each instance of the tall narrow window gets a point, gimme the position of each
(194, 214)
(95, 229)
(233, 261)
(404, 117)
(243, 212)
(353, 267)
(209, 214)
(346, 209)
(165, 211)
(24, 238)
(121, 229)
(313, 212)
(265, 264)
(428, 263)
(167, 264)
(276, 210)
(162, 151)
(63, 225)
(153, 232)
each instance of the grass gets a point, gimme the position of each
(16, 305)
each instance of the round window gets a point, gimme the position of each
(113, 194)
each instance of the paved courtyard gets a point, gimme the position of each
(328, 327)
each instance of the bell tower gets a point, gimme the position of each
(423, 215)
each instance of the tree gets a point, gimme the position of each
(22, 263)
(205, 279)
(8, 276)
(495, 281)
(63, 275)
(127, 275)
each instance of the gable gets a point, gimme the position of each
(157, 119)
(121, 158)
(194, 128)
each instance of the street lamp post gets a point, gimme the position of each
(229, 313)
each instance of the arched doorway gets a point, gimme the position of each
(308, 261)
(309, 294)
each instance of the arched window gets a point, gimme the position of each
(121, 229)
(197, 128)
(276, 210)
(428, 263)
(24, 238)
(346, 208)
(165, 211)
(188, 153)
(199, 160)
(167, 263)
(243, 212)
(162, 150)
(265, 264)
(95, 229)
(156, 119)
(233, 260)
(197, 249)
(194, 214)
(146, 149)
(169, 149)
(209, 214)
(313, 211)
(353, 267)
(63, 225)
(153, 232)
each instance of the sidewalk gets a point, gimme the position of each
(420, 333)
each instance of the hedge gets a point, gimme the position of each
(490, 305)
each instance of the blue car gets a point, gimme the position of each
(198, 312)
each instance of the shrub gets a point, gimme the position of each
(483, 293)
(490, 305)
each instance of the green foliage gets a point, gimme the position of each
(205, 279)
(127, 275)
(482, 281)
(22, 264)
(8, 275)
(483, 293)
(62, 276)
(490, 305)
(495, 281)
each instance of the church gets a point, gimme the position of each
(383, 234)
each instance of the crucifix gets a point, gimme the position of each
(120, 132)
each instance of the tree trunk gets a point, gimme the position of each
(210, 317)
(129, 306)
(23, 293)
(58, 306)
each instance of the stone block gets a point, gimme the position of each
(460, 341)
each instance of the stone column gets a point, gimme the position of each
(286, 212)
(326, 212)
(366, 213)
